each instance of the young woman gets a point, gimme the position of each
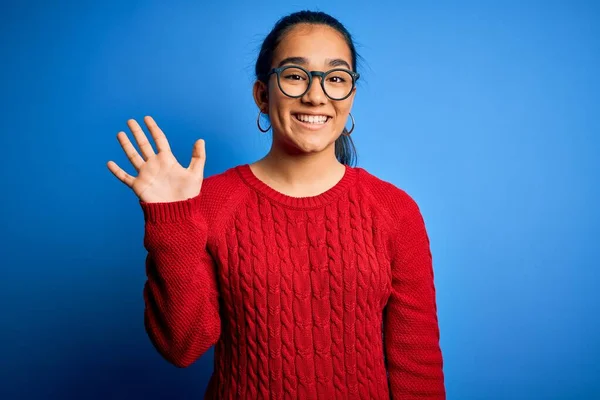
(312, 278)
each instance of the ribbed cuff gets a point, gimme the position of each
(173, 211)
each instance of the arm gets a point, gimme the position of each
(181, 314)
(413, 355)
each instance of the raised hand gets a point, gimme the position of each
(160, 177)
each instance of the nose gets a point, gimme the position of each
(315, 94)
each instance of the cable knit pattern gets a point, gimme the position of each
(323, 297)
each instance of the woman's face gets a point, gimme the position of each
(314, 47)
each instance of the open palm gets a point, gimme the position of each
(160, 177)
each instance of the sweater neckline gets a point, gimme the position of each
(319, 200)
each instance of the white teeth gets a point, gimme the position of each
(312, 119)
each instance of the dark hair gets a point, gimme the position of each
(344, 146)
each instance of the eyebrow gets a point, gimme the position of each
(336, 62)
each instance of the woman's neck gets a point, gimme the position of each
(299, 175)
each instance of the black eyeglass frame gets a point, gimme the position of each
(311, 74)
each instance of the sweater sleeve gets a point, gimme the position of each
(181, 314)
(411, 332)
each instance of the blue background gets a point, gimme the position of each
(485, 112)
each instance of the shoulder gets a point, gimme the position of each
(221, 184)
(220, 193)
(389, 197)
(404, 219)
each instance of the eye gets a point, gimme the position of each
(294, 77)
(339, 76)
(337, 79)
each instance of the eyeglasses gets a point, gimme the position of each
(295, 81)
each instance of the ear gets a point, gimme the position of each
(261, 96)
(351, 97)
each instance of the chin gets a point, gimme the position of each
(311, 142)
(301, 140)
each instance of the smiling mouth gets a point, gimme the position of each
(315, 120)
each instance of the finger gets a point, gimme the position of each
(120, 174)
(158, 135)
(136, 160)
(198, 157)
(141, 139)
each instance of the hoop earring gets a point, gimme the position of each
(258, 123)
(349, 132)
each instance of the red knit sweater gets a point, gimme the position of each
(324, 297)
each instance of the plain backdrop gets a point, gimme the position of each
(485, 112)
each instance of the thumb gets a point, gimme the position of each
(198, 157)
